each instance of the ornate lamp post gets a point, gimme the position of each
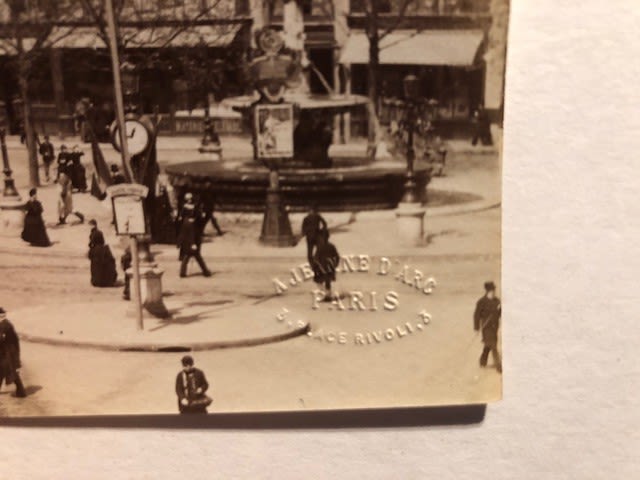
(11, 205)
(411, 93)
(9, 186)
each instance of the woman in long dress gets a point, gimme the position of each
(103, 264)
(34, 231)
(78, 172)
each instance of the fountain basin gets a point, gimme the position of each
(241, 185)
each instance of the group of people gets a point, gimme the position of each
(69, 162)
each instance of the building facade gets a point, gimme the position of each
(178, 46)
(442, 42)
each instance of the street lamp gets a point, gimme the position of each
(411, 87)
(9, 186)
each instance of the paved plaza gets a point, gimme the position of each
(348, 359)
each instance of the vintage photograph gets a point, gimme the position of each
(214, 206)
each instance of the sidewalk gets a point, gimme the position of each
(193, 326)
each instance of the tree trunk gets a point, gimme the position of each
(373, 73)
(30, 134)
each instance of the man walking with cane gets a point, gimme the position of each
(486, 318)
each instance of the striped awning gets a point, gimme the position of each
(457, 48)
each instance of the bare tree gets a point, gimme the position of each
(155, 24)
(375, 35)
(30, 29)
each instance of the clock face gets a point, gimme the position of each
(137, 137)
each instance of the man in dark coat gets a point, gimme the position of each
(125, 263)
(486, 318)
(103, 264)
(189, 242)
(191, 385)
(312, 225)
(325, 262)
(481, 127)
(34, 231)
(64, 162)
(48, 155)
(207, 208)
(10, 355)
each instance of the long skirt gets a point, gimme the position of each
(35, 232)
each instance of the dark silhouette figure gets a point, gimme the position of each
(189, 238)
(48, 155)
(482, 127)
(325, 262)
(191, 386)
(312, 225)
(10, 355)
(35, 232)
(125, 263)
(103, 264)
(486, 318)
(77, 171)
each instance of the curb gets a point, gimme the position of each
(167, 348)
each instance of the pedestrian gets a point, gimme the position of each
(163, 222)
(481, 127)
(34, 231)
(191, 387)
(312, 225)
(10, 355)
(325, 262)
(48, 154)
(77, 170)
(103, 264)
(486, 318)
(208, 207)
(65, 200)
(125, 263)
(189, 243)
(116, 175)
(63, 162)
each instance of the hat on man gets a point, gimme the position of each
(93, 222)
(489, 286)
(3, 314)
(33, 191)
(188, 196)
(187, 361)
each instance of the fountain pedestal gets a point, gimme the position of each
(150, 284)
(410, 221)
(276, 227)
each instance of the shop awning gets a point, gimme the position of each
(456, 48)
(87, 37)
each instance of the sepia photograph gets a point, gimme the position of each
(230, 206)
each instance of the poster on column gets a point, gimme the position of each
(362, 271)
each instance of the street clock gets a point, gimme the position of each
(137, 134)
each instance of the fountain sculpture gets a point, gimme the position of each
(294, 129)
